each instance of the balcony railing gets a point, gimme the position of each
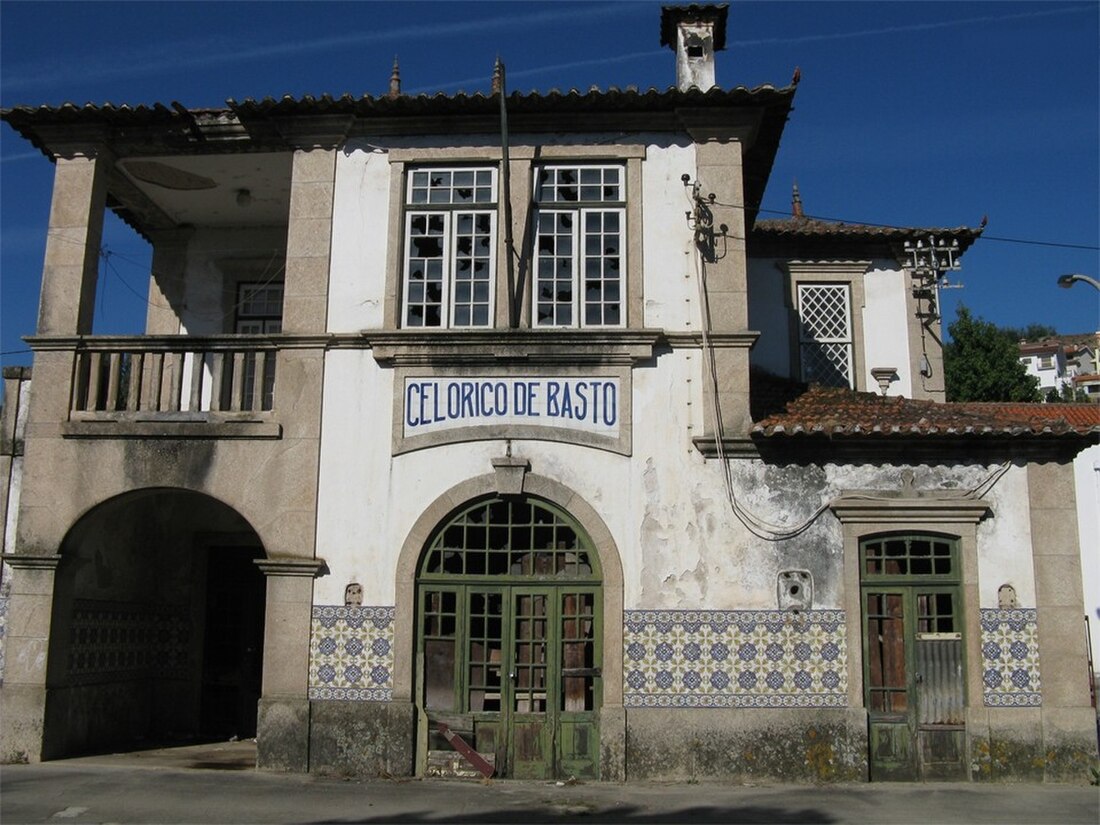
(173, 378)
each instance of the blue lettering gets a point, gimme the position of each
(484, 391)
(610, 405)
(454, 400)
(468, 400)
(533, 398)
(552, 390)
(581, 407)
(566, 402)
(425, 390)
(500, 399)
(409, 406)
(519, 398)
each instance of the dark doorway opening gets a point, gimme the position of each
(232, 664)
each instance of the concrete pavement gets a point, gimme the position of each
(216, 784)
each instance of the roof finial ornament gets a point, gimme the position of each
(797, 76)
(498, 76)
(796, 202)
(395, 80)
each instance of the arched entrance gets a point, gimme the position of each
(157, 625)
(509, 637)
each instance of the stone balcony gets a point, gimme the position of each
(171, 386)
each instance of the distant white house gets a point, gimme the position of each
(1064, 361)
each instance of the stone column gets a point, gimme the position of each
(309, 240)
(166, 281)
(282, 725)
(72, 244)
(719, 158)
(1068, 719)
(23, 697)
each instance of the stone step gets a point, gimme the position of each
(451, 764)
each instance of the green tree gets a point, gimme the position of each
(981, 363)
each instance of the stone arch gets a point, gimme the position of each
(157, 623)
(533, 485)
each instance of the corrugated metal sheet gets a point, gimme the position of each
(939, 664)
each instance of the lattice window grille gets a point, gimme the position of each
(825, 334)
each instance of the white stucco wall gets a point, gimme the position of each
(667, 508)
(360, 228)
(1086, 473)
(1004, 541)
(885, 322)
(671, 275)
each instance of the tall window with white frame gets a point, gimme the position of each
(580, 256)
(450, 230)
(825, 334)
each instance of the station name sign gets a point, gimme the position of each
(589, 404)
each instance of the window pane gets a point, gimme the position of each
(446, 246)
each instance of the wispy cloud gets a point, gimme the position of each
(552, 68)
(912, 27)
(216, 51)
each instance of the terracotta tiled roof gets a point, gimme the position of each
(814, 237)
(828, 411)
(815, 228)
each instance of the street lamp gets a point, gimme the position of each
(1068, 279)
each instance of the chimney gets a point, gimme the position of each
(695, 32)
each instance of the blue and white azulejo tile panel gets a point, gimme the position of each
(1010, 658)
(735, 659)
(351, 653)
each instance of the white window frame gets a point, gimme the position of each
(553, 204)
(845, 340)
(259, 308)
(439, 203)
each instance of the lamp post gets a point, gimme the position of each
(1069, 278)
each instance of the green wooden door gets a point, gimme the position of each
(888, 686)
(508, 642)
(913, 668)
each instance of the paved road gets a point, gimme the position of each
(223, 788)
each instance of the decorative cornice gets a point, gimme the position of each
(406, 348)
(31, 561)
(923, 506)
(175, 343)
(745, 339)
(287, 566)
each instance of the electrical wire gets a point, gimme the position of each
(755, 524)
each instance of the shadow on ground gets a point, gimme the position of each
(559, 813)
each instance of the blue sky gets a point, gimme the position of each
(908, 113)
